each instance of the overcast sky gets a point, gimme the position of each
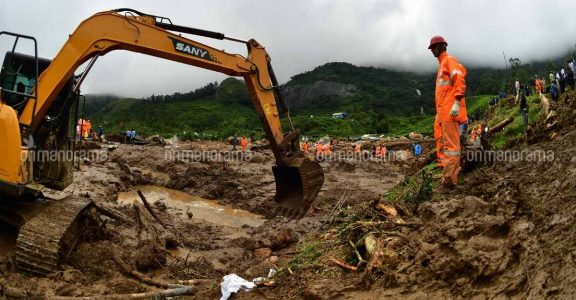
(302, 34)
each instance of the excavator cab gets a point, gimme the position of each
(54, 133)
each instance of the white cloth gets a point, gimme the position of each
(233, 283)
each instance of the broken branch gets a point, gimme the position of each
(149, 208)
(183, 290)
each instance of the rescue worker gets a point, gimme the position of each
(357, 149)
(305, 146)
(524, 111)
(417, 150)
(383, 152)
(476, 133)
(100, 133)
(538, 86)
(327, 149)
(234, 142)
(319, 149)
(243, 143)
(87, 129)
(378, 151)
(450, 108)
(132, 137)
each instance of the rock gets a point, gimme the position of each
(262, 252)
(258, 159)
(414, 135)
(273, 259)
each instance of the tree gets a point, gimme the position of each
(515, 63)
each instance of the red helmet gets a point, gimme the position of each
(437, 39)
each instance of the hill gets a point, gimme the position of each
(377, 101)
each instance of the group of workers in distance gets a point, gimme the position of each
(84, 131)
(324, 150)
(130, 137)
(243, 143)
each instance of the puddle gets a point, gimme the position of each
(202, 209)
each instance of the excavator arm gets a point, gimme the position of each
(298, 180)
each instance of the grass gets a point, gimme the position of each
(412, 191)
(515, 131)
(307, 257)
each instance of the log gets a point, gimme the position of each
(149, 208)
(128, 271)
(112, 213)
(500, 126)
(403, 142)
(343, 264)
(184, 290)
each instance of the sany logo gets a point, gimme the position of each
(183, 47)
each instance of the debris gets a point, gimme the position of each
(388, 209)
(361, 260)
(112, 213)
(335, 210)
(179, 291)
(370, 242)
(500, 126)
(129, 271)
(233, 283)
(149, 208)
(415, 136)
(262, 252)
(342, 264)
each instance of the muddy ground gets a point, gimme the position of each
(506, 232)
(218, 211)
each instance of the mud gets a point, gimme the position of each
(506, 233)
(219, 218)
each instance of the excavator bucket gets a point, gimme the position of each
(297, 186)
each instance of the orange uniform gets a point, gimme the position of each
(450, 85)
(476, 132)
(319, 149)
(327, 149)
(538, 85)
(357, 148)
(305, 147)
(244, 143)
(378, 151)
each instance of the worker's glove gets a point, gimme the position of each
(455, 108)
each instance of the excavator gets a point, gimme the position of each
(39, 100)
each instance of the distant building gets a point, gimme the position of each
(340, 115)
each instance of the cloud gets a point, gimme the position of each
(300, 35)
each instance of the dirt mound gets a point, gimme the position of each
(87, 145)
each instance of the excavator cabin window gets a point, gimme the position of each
(18, 75)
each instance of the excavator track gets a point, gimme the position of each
(48, 238)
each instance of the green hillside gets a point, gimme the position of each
(218, 115)
(378, 101)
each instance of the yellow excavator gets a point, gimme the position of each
(39, 99)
